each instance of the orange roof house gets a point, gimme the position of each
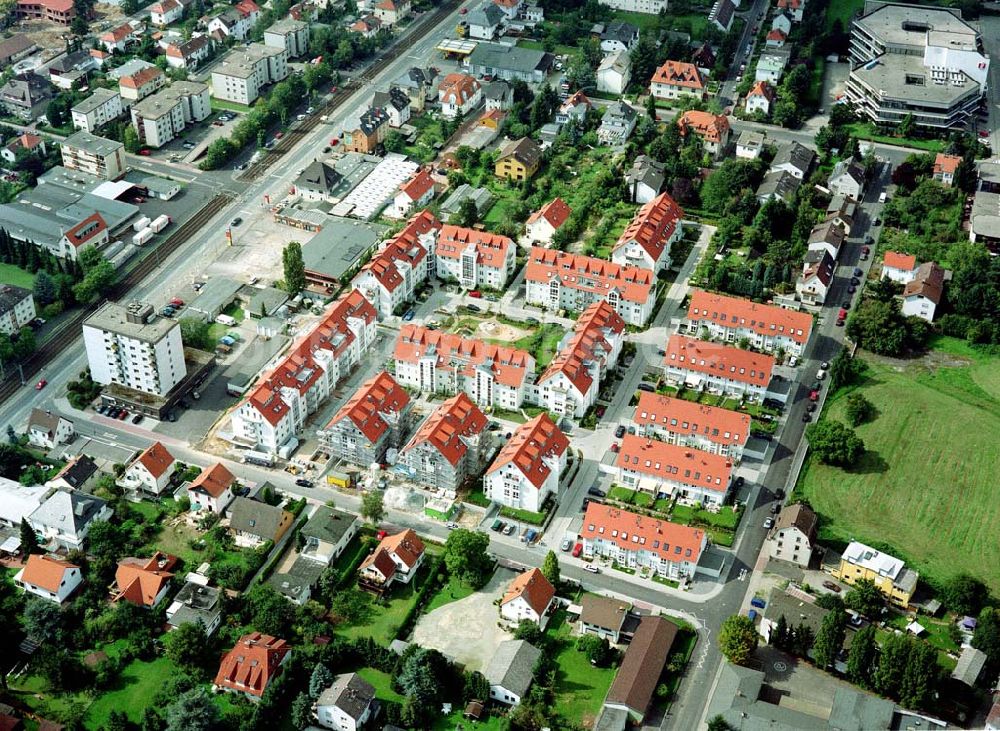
(726, 367)
(945, 167)
(646, 241)
(675, 78)
(712, 128)
(396, 558)
(212, 489)
(529, 596)
(144, 581)
(252, 664)
(49, 577)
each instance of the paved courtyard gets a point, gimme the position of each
(466, 630)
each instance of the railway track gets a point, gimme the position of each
(69, 331)
(424, 26)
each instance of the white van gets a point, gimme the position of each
(882, 197)
(225, 320)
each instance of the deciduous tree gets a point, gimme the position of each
(835, 443)
(373, 507)
(862, 659)
(865, 599)
(859, 409)
(465, 555)
(830, 638)
(294, 268)
(738, 639)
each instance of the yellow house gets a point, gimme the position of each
(519, 160)
(888, 573)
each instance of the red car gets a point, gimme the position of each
(145, 153)
(984, 133)
(814, 395)
(842, 314)
(41, 384)
(177, 302)
(381, 534)
(123, 415)
(577, 550)
(475, 294)
(334, 142)
(615, 448)
(463, 11)
(278, 135)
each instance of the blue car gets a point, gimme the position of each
(408, 316)
(226, 340)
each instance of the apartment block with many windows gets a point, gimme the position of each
(97, 156)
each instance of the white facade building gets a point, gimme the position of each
(245, 71)
(17, 308)
(101, 107)
(528, 467)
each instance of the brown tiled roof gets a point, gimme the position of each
(799, 516)
(643, 664)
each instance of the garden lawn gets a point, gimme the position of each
(382, 684)
(864, 131)
(386, 616)
(579, 687)
(133, 691)
(543, 344)
(32, 692)
(926, 488)
(452, 591)
(10, 274)
(176, 540)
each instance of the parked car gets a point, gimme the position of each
(814, 396)
(123, 415)
(41, 384)
(620, 431)
(806, 418)
(769, 522)
(474, 308)
(597, 492)
(451, 525)
(508, 529)
(497, 526)
(858, 272)
(137, 418)
(302, 482)
(831, 586)
(591, 568)
(566, 544)
(577, 550)
(648, 387)
(409, 315)
(236, 221)
(615, 448)
(776, 508)
(476, 294)
(811, 408)
(177, 302)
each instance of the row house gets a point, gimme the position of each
(689, 424)
(474, 258)
(638, 541)
(46, 429)
(900, 268)
(813, 284)
(717, 368)
(392, 277)
(571, 383)
(375, 419)
(827, 236)
(766, 327)
(60, 12)
(675, 471)
(396, 103)
(212, 489)
(527, 469)
(391, 12)
(437, 362)
(646, 241)
(675, 79)
(923, 293)
(120, 38)
(278, 406)
(450, 447)
(558, 280)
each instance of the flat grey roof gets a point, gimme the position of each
(217, 293)
(286, 26)
(240, 61)
(112, 318)
(241, 372)
(92, 102)
(158, 184)
(887, 24)
(888, 74)
(129, 67)
(509, 58)
(339, 245)
(93, 144)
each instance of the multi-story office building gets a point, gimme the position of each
(246, 70)
(94, 155)
(914, 60)
(130, 346)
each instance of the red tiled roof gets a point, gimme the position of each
(247, 7)
(381, 561)
(736, 312)
(458, 88)
(793, 4)
(776, 35)
(56, 6)
(46, 572)
(252, 664)
(491, 249)
(456, 418)
(762, 88)
(164, 6)
(721, 360)
(29, 141)
(534, 588)
(118, 34)
(509, 366)
(555, 212)
(681, 416)
(896, 260)
(156, 459)
(653, 225)
(363, 25)
(667, 540)
(674, 463)
(214, 480)
(378, 395)
(709, 126)
(588, 342)
(589, 274)
(532, 442)
(406, 546)
(578, 97)
(86, 230)
(140, 78)
(418, 185)
(300, 370)
(140, 580)
(679, 73)
(946, 163)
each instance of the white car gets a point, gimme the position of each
(769, 523)
(592, 569)
(451, 525)
(566, 544)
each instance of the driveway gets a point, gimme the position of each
(466, 631)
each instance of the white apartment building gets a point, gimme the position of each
(688, 424)
(571, 383)
(793, 536)
(101, 107)
(647, 240)
(96, 156)
(438, 362)
(130, 346)
(292, 35)
(670, 470)
(474, 258)
(558, 280)
(717, 368)
(246, 70)
(731, 319)
(17, 308)
(161, 117)
(393, 275)
(651, 7)
(278, 406)
(527, 469)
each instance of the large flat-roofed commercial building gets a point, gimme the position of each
(920, 61)
(161, 117)
(334, 254)
(510, 62)
(245, 71)
(95, 155)
(130, 346)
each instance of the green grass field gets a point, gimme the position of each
(865, 131)
(386, 616)
(135, 688)
(382, 684)
(926, 488)
(10, 274)
(452, 591)
(580, 688)
(842, 10)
